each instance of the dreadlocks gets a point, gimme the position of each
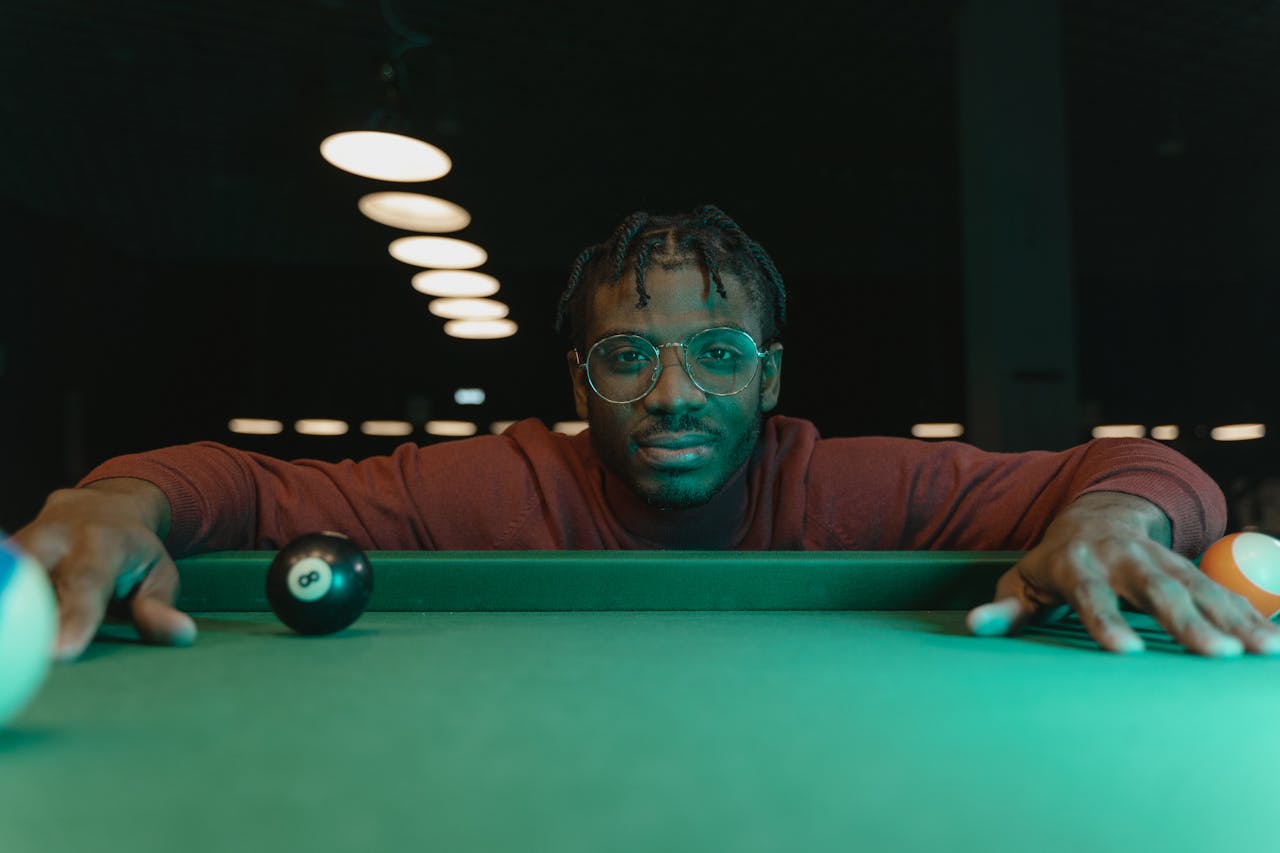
(706, 235)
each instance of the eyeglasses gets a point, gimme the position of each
(720, 362)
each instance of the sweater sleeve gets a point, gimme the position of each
(893, 493)
(466, 494)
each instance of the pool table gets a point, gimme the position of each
(641, 701)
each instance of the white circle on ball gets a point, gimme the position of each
(1258, 556)
(310, 578)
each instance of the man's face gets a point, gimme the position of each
(677, 446)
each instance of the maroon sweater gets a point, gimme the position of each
(531, 488)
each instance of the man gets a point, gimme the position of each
(675, 323)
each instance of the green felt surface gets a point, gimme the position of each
(642, 731)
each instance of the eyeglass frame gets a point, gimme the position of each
(761, 354)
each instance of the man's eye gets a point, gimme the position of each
(719, 354)
(627, 356)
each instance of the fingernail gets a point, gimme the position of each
(1129, 644)
(1223, 646)
(1270, 645)
(989, 620)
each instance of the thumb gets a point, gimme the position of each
(152, 610)
(1017, 604)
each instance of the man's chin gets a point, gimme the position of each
(676, 495)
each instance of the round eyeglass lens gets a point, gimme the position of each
(721, 362)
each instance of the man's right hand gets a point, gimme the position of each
(101, 545)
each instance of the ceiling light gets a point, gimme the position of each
(937, 430)
(451, 428)
(569, 427)
(454, 283)
(480, 329)
(255, 426)
(386, 428)
(446, 252)
(1119, 431)
(1165, 432)
(414, 212)
(320, 426)
(469, 396)
(1238, 432)
(385, 156)
(468, 309)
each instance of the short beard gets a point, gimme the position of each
(678, 493)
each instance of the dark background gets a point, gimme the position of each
(176, 252)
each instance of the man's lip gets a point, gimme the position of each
(675, 440)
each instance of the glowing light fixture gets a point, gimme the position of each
(446, 252)
(414, 212)
(255, 426)
(386, 428)
(455, 283)
(1165, 432)
(1120, 431)
(499, 427)
(480, 329)
(1237, 432)
(455, 429)
(937, 430)
(569, 427)
(468, 309)
(320, 426)
(469, 396)
(385, 156)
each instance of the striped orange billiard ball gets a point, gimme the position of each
(1247, 563)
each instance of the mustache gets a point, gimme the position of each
(675, 423)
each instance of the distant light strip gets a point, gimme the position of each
(1165, 432)
(320, 426)
(255, 426)
(569, 427)
(1238, 432)
(937, 430)
(386, 428)
(454, 429)
(1120, 431)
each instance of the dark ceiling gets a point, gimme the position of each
(180, 253)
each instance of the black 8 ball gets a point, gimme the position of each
(319, 583)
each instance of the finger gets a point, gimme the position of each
(998, 618)
(1099, 610)
(1017, 603)
(1230, 612)
(83, 589)
(152, 610)
(1170, 603)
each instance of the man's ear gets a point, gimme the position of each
(771, 383)
(578, 378)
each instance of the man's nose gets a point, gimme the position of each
(674, 391)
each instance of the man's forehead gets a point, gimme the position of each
(683, 295)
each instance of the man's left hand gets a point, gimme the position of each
(1107, 547)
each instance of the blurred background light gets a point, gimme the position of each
(385, 156)
(445, 252)
(414, 212)
(480, 329)
(455, 283)
(468, 309)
